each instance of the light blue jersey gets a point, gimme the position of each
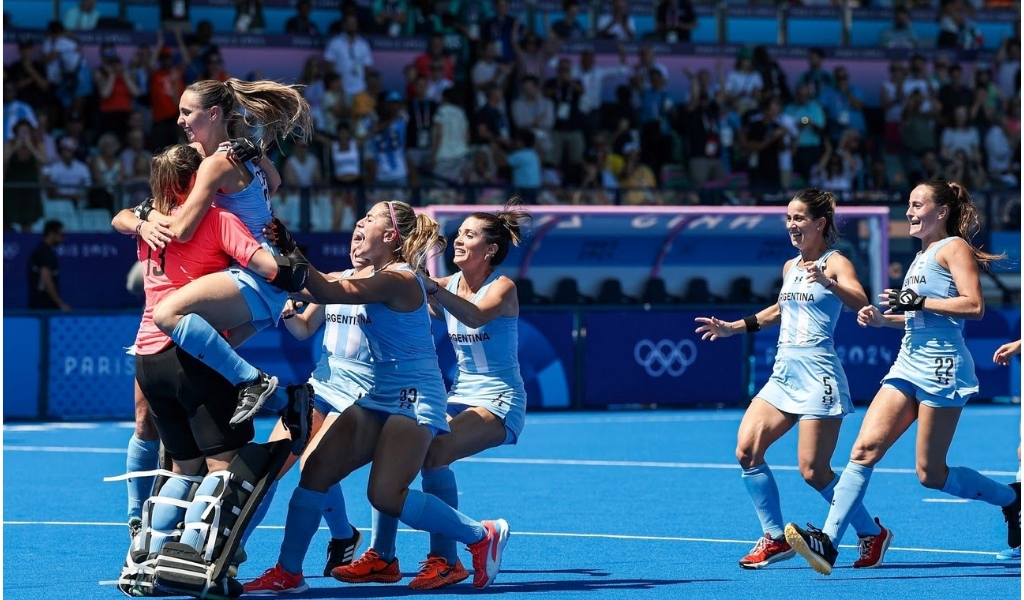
(808, 379)
(252, 207)
(809, 310)
(488, 359)
(933, 364)
(343, 374)
(388, 149)
(407, 379)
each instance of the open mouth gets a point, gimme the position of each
(189, 134)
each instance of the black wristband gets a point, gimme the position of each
(751, 323)
(142, 210)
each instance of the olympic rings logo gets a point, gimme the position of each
(665, 357)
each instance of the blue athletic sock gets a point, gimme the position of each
(764, 492)
(861, 519)
(336, 515)
(441, 483)
(143, 455)
(972, 485)
(427, 513)
(201, 340)
(848, 495)
(166, 517)
(382, 539)
(260, 514)
(304, 512)
(194, 514)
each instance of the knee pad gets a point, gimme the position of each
(202, 573)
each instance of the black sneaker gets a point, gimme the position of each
(297, 416)
(134, 527)
(252, 396)
(814, 546)
(1012, 515)
(340, 552)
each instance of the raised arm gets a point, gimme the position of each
(499, 301)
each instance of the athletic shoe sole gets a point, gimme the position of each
(241, 417)
(781, 556)
(881, 555)
(494, 553)
(796, 541)
(294, 590)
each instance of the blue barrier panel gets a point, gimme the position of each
(1008, 243)
(655, 357)
(545, 357)
(21, 367)
(89, 374)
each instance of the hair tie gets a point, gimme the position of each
(394, 221)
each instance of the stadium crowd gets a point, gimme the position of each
(508, 109)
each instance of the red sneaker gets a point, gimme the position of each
(369, 568)
(766, 551)
(872, 548)
(487, 553)
(276, 581)
(435, 572)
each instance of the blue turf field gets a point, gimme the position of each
(601, 505)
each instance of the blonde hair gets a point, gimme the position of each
(418, 234)
(171, 176)
(273, 109)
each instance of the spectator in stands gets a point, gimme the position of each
(139, 69)
(393, 17)
(816, 78)
(598, 179)
(82, 17)
(44, 271)
(364, 111)
(763, 138)
(166, 85)
(301, 177)
(450, 144)
(481, 170)
(623, 119)
(744, 84)
(107, 173)
(675, 20)
(810, 122)
(701, 122)
(954, 95)
(961, 136)
(249, 16)
(74, 128)
(894, 93)
(843, 105)
(657, 113)
(956, 30)
(646, 62)
(385, 149)
(637, 180)
(523, 162)
(135, 148)
(213, 67)
(346, 170)
(312, 81)
(23, 162)
(488, 71)
(66, 69)
(435, 53)
(988, 100)
(901, 34)
(569, 26)
(592, 77)
(535, 112)
(15, 111)
(849, 148)
(421, 111)
(1000, 155)
(618, 25)
(928, 168)
(833, 173)
(504, 29)
(300, 23)
(469, 18)
(117, 92)
(28, 74)
(437, 82)
(349, 55)
(940, 72)
(136, 180)
(68, 178)
(966, 169)
(532, 56)
(1011, 123)
(567, 132)
(44, 138)
(772, 76)
(918, 131)
(491, 122)
(1007, 67)
(194, 48)
(333, 107)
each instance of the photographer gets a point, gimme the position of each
(116, 93)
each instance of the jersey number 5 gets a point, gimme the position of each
(827, 398)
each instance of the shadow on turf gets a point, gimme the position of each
(1000, 570)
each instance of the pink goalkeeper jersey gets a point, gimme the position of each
(220, 239)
